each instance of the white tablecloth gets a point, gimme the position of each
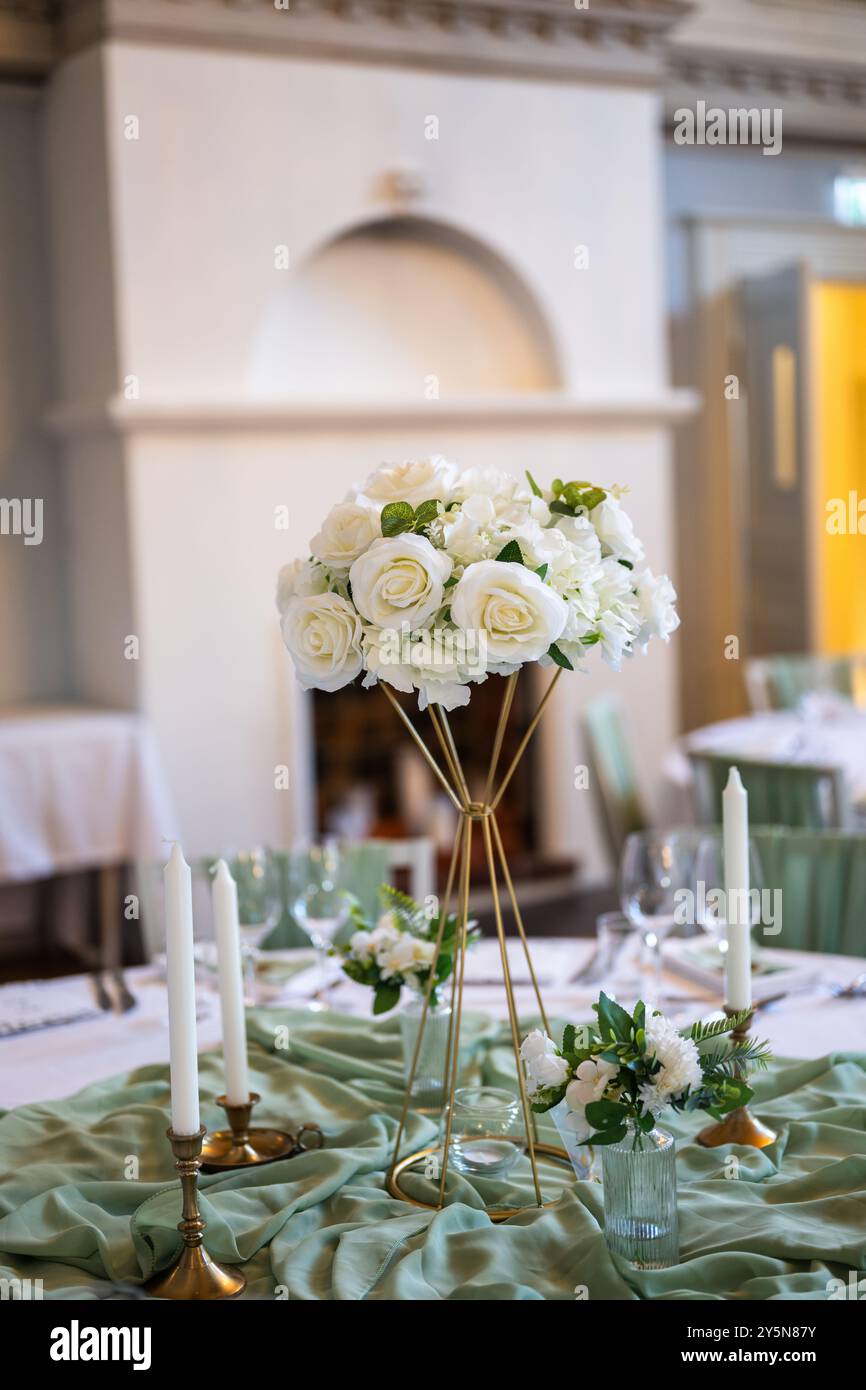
(836, 740)
(79, 788)
(57, 1062)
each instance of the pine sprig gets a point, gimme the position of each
(749, 1054)
(701, 1032)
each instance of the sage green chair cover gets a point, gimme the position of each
(89, 1202)
(822, 877)
(366, 871)
(780, 682)
(619, 801)
(793, 794)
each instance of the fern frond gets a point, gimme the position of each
(700, 1032)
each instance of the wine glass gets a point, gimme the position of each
(259, 906)
(657, 866)
(320, 902)
(710, 902)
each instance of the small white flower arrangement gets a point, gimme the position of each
(399, 949)
(623, 1071)
(431, 578)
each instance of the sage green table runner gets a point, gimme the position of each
(88, 1207)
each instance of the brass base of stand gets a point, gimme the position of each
(496, 1214)
(738, 1127)
(196, 1276)
(242, 1147)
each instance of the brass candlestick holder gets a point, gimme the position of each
(194, 1275)
(739, 1126)
(241, 1147)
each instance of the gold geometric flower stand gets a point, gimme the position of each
(473, 815)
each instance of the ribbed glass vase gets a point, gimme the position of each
(428, 1088)
(640, 1198)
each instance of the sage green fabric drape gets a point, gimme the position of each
(86, 1204)
(822, 879)
(779, 793)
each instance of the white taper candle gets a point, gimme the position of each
(738, 960)
(180, 967)
(228, 941)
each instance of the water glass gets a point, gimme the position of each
(320, 902)
(487, 1131)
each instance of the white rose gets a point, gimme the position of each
(519, 614)
(361, 945)
(615, 531)
(323, 635)
(656, 598)
(548, 1070)
(415, 481)
(347, 531)
(298, 580)
(399, 580)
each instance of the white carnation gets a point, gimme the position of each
(679, 1058)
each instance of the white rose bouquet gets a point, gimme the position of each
(624, 1070)
(430, 579)
(399, 949)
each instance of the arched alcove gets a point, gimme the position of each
(403, 308)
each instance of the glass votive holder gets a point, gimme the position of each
(487, 1131)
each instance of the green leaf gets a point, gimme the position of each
(592, 497)
(533, 484)
(607, 1136)
(602, 1114)
(613, 1019)
(385, 998)
(542, 570)
(396, 518)
(511, 554)
(590, 639)
(627, 563)
(450, 581)
(559, 657)
(562, 508)
(569, 1037)
(425, 513)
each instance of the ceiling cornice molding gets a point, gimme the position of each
(608, 40)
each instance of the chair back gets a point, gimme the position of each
(780, 682)
(794, 794)
(614, 780)
(822, 878)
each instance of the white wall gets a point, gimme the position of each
(237, 155)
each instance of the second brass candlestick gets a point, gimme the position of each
(241, 1146)
(740, 1126)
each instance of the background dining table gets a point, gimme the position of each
(826, 733)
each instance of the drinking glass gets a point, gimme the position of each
(657, 866)
(320, 903)
(259, 906)
(617, 966)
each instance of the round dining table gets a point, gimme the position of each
(826, 734)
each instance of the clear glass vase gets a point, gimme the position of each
(428, 1088)
(640, 1198)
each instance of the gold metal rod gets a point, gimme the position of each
(428, 993)
(507, 700)
(521, 931)
(434, 766)
(461, 775)
(450, 756)
(454, 1048)
(526, 737)
(512, 1010)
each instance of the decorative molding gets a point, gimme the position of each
(607, 40)
(537, 410)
